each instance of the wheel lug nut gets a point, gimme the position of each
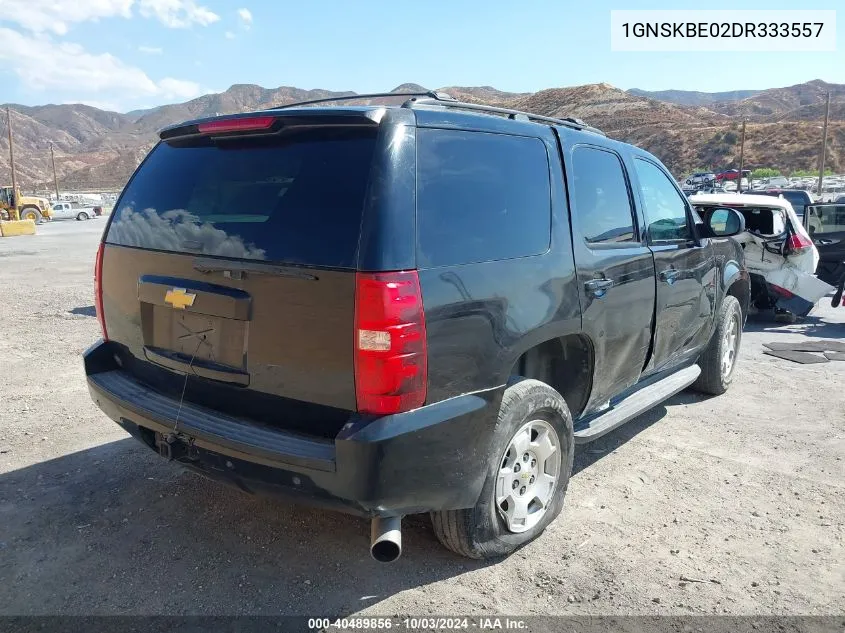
(525, 457)
(516, 468)
(531, 481)
(515, 485)
(522, 490)
(533, 463)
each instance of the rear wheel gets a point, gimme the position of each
(31, 213)
(528, 470)
(718, 360)
(82, 216)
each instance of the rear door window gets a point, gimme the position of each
(480, 197)
(295, 199)
(828, 218)
(600, 196)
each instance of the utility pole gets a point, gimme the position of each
(55, 179)
(824, 144)
(12, 160)
(741, 159)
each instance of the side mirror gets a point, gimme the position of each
(724, 222)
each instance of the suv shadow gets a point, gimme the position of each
(116, 530)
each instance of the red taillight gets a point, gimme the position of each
(390, 343)
(797, 243)
(98, 290)
(237, 125)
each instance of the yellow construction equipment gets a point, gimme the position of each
(17, 206)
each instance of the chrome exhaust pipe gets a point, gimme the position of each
(386, 539)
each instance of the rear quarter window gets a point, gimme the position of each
(480, 197)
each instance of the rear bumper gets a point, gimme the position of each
(432, 458)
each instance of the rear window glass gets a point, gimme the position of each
(295, 199)
(600, 196)
(480, 197)
(797, 199)
(828, 218)
(758, 220)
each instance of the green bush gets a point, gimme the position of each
(765, 172)
(730, 138)
(806, 173)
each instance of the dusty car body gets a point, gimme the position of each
(779, 252)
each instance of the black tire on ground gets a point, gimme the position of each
(31, 213)
(480, 532)
(712, 379)
(82, 216)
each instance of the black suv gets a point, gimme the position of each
(406, 309)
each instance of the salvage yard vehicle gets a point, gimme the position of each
(701, 179)
(779, 253)
(67, 210)
(422, 310)
(732, 174)
(826, 226)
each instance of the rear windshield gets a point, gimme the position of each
(759, 220)
(296, 199)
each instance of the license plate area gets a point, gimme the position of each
(198, 339)
(208, 336)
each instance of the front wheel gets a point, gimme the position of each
(31, 213)
(718, 360)
(528, 469)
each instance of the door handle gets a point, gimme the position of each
(597, 287)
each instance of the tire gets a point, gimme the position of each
(481, 531)
(31, 213)
(82, 216)
(714, 379)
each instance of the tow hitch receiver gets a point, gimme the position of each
(172, 447)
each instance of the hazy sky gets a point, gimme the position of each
(125, 54)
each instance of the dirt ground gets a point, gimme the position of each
(729, 505)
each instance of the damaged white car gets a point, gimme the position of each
(779, 254)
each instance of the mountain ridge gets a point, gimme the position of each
(99, 148)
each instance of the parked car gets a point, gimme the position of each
(731, 174)
(67, 210)
(701, 178)
(798, 198)
(779, 182)
(422, 309)
(779, 253)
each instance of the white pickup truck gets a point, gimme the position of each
(68, 210)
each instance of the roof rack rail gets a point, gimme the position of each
(431, 94)
(442, 99)
(517, 115)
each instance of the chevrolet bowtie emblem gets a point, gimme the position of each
(179, 298)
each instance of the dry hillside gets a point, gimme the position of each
(98, 149)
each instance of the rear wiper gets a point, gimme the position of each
(236, 270)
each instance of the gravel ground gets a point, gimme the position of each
(730, 505)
